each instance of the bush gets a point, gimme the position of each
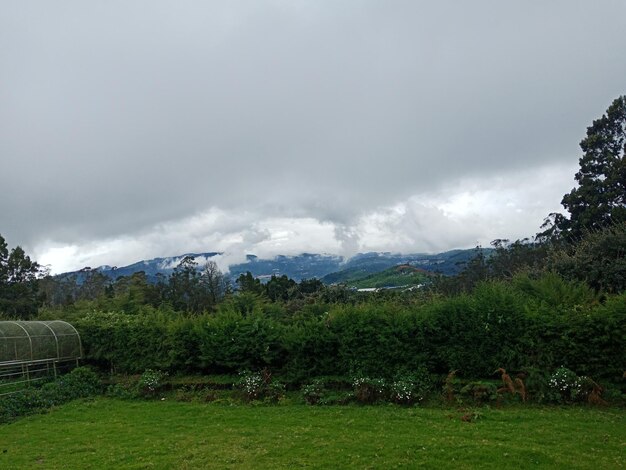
(330, 390)
(313, 392)
(369, 390)
(260, 386)
(479, 392)
(151, 382)
(408, 389)
(565, 385)
(79, 383)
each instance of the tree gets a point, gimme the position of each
(185, 290)
(598, 259)
(93, 286)
(248, 283)
(310, 286)
(18, 282)
(475, 270)
(215, 284)
(281, 288)
(600, 198)
(508, 258)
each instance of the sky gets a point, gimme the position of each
(137, 129)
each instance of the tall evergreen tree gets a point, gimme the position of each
(600, 198)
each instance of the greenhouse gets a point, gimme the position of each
(34, 350)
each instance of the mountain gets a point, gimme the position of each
(330, 269)
(304, 266)
(152, 267)
(363, 264)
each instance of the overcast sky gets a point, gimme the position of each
(136, 129)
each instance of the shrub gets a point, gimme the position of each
(412, 388)
(313, 392)
(369, 390)
(480, 392)
(151, 382)
(565, 385)
(260, 386)
(124, 390)
(79, 383)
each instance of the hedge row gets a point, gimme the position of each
(527, 324)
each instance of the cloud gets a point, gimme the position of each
(155, 127)
(467, 212)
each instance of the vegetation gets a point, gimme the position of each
(18, 282)
(108, 433)
(398, 276)
(79, 383)
(600, 198)
(520, 325)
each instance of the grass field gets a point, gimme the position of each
(110, 433)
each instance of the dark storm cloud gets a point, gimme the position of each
(118, 116)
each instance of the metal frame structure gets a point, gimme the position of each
(35, 350)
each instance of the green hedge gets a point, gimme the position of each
(524, 324)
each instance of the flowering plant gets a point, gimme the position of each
(313, 392)
(566, 384)
(369, 390)
(251, 383)
(151, 381)
(405, 392)
(260, 385)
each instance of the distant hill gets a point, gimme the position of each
(361, 265)
(403, 275)
(330, 269)
(304, 266)
(152, 267)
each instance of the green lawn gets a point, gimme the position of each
(109, 433)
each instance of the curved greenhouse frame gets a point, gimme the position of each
(33, 350)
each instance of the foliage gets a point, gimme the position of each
(18, 283)
(369, 390)
(127, 343)
(408, 389)
(600, 198)
(260, 386)
(248, 283)
(313, 392)
(506, 261)
(189, 393)
(598, 259)
(191, 288)
(479, 392)
(397, 276)
(151, 382)
(567, 386)
(525, 323)
(125, 389)
(79, 383)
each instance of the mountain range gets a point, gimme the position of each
(330, 269)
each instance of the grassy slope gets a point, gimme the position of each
(109, 433)
(402, 275)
